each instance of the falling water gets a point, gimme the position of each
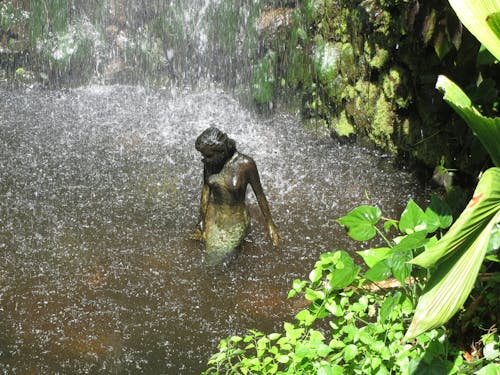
(98, 197)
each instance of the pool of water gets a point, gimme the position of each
(99, 193)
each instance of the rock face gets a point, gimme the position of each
(369, 68)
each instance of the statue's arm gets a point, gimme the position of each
(254, 180)
(205, 194)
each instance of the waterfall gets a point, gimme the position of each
(177, 42)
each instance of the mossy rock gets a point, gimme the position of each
(348, 64)
(326, 60)
(372, 114)
(361, 104)
(376, 55)
(264, 79)
(383, 125)
(395, 87)
(342, 126)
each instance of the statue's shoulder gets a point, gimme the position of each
(245, 162)
(245, 159)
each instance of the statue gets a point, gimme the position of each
(224, 217)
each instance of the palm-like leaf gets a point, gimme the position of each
(487, 129)
(458, 256)
(479, 17)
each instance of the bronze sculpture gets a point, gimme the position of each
(224, 217)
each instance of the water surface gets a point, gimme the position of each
(99, 192)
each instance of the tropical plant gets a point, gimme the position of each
(355, 321)
(455, 259)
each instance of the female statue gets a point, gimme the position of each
(225, 219)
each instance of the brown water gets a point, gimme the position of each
(99, 192)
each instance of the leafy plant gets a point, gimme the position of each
(455, 260)
(355, 321)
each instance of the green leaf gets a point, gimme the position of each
(412, 219)
(388, 224)
(476, 216)
(458, 256)
(486, 129)
(380, 271)
(373, 256)
(494, 244)
(361, 221)
(315, 275)
(401, 269)
(305, 317)
(327, 369)
(479, 19)
(350, 352)
(345, 272)
(442, 210)
(313, 295)
(491, 369)
(432, 221)
(412, 241)
(450, 284)
(388, 305)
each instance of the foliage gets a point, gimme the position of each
(482, 20)
(355, 321)
(485, 128)
(264, 78)
(456, 259)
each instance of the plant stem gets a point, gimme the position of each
(384, 237)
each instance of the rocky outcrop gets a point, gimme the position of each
(369, 69)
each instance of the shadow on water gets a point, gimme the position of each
(99, 192)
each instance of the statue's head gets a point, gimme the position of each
(215, 146)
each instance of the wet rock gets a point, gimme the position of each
(273, 25)
(272, 20)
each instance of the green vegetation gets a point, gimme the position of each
(370, 67)
(357, 324)
(356, 321)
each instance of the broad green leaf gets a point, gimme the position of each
(494, 244)
(388, 305)
(493, 21)
(361, 221)
(313, 295)
(483, 206)
(432, 221)
(450, 284)
(474, 15)
(412, 219)
(344, 273)
(305, 317)
(412, 241)
(350, 352)
(442, 210)
(380, 271)
(315, 275)
(487, 129)
(401, 269)
(373, 256)
(491, 369)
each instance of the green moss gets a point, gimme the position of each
(371, 113)
(326, 61)
(383, 125)
(264, 79)
(348, 63)
(343, 126)
(379, 58)
(395, 88)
